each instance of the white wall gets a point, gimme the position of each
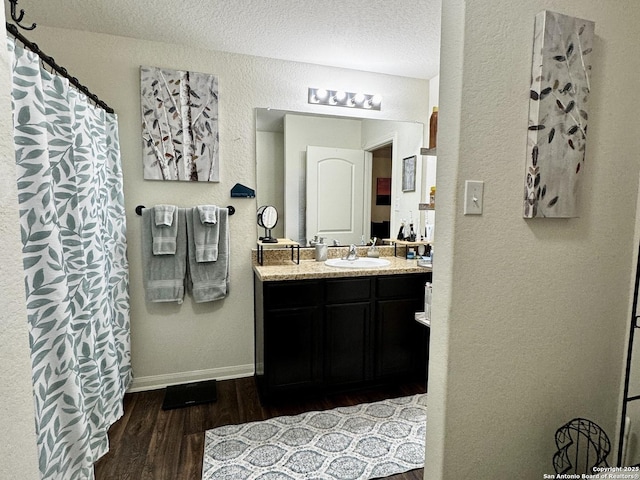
(173, 343)
(430, 164)
(529, 316)
(18, 452)
(270, 169)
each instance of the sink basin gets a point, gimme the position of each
(362, 262)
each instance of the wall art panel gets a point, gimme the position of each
(557, 132)
(179, 125)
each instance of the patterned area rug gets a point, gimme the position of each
(365, 441)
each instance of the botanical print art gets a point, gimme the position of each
(179, 125)
(558, 117)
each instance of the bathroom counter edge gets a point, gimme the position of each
(309, 269)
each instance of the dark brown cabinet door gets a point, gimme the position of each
(347, 356)
(398, 340)
(292, 342)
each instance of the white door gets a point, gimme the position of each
(335, 194)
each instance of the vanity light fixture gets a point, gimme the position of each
(338, 98)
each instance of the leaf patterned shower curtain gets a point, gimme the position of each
(76, 274)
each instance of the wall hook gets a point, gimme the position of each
(17, 19)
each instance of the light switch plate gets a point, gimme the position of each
(473, 190)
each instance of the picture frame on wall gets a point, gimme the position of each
(409, 174)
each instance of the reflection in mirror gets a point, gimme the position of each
(336, 177)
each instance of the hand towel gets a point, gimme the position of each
(164, 229)
(209, 281)
(164, 275)
(164, 215)
(208, 213)
(206, 233)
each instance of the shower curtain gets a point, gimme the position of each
(72, 224)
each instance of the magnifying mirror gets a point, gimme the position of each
(267, 219)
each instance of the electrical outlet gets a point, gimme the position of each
(473, 190)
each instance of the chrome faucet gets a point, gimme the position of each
(353, 253)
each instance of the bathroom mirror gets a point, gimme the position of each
(333, 176)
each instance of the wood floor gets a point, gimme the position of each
(148, 443)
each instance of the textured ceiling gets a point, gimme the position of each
(397, 37)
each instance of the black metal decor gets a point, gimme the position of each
(627, 375)
(17, 19)
(13, 30)
(582, 445)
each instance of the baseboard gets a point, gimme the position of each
(154, 382)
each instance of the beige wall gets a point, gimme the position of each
(529, 315)
(270, 171)
(18, 455)
(172, 343)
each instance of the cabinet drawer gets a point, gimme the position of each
(348, 290)
(292, 294)
(406, 286)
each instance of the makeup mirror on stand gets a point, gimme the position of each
(267, 219)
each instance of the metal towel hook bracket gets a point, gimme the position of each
(18, 18)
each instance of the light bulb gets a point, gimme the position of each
(321, 94)
(340, 96)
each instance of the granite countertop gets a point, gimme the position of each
(309, 269)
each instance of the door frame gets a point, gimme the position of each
(388, 139)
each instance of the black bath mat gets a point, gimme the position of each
(185, 395)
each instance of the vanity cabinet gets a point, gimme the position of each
(288, 335)
(398, 342)
(335, 334)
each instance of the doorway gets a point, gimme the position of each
(381, 181)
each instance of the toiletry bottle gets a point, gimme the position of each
(321, 251)
(401, 231)
(427, 300)
(412, 234)
(433, 128)
(432, 196)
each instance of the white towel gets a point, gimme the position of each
(164, 215)
(209, 281)
(205, 233)
(164, 229)
(164, 275)
(208, 213)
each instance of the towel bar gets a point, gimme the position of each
(139, 209)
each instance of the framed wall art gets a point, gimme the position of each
(179, 125)
(558, 115)
(409, 174)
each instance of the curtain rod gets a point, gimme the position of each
(13, 30)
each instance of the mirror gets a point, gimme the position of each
(267, 219)
(337, 177)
